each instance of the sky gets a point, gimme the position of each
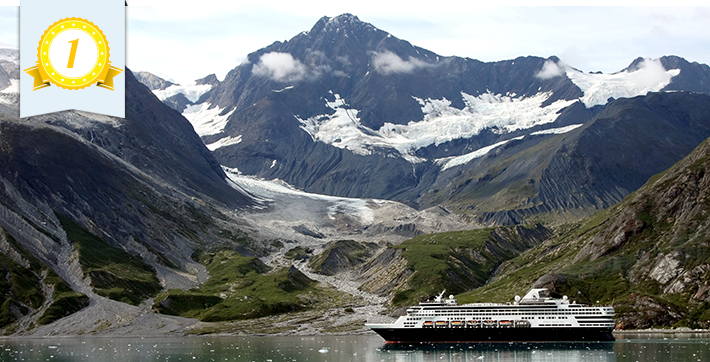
(183, 42)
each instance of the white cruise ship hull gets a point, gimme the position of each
(452, 335)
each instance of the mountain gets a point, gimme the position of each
(9, 80)
(587, 169)
(152, 81)
(346, 109)
(108, 209)
(648, 255)
(177, 96)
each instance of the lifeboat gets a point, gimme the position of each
(458, 324)
(473, 324)
(442, 324)
(428, 324)
(490, 323)
(505, 323)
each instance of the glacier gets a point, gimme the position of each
(205, 120)
(441, 123)
(223, 142)
(560, 130)
(191, 92)
(449, 162)
(650, 76)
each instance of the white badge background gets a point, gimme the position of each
(35, 17)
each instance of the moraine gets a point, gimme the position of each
(535, 317)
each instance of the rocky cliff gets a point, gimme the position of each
(647, 256)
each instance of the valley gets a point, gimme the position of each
(369, 177)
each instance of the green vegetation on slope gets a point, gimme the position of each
(65, 300)
(242, 287)
(460, 260)
(21, 288)
(649, 256)
(299, 253)
(342, 255)
(114, 273)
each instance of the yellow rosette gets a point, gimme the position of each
(73, 53)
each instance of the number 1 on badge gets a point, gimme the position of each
(72, 53)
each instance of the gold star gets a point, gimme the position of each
(84, 26)
(62, 26)
(72, 24)
(72, 82)
(62, 79)
(52, 33)
(93, 33)
(84, 79)
(99, 41)
(52, 73)
(92, 73)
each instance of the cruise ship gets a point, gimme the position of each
(534, 317)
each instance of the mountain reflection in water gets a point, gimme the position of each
(367, 348)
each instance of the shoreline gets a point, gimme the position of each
(364, 333)
(661, 331)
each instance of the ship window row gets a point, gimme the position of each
(507, 313)
(523, 317)
(527, 311)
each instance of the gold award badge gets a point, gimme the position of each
(73, 53)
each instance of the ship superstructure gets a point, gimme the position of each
(535, 317)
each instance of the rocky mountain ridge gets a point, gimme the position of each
(346, 109)
(100, 215)
(73, 176)
(647, 256)
(168, 221)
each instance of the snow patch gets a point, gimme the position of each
(450, 162)
(283, 89)
(14, 87)
(191, 92)
(206, 121)
(560, 130)
(442, 123)
(275, 189)
(226, 141)
(651, 76)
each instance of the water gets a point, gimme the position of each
(641, 348)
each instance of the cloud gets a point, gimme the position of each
(388, 62)
(650, 74)
(280, 67)
(549, 70)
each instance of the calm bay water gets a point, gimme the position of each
(657, 347)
